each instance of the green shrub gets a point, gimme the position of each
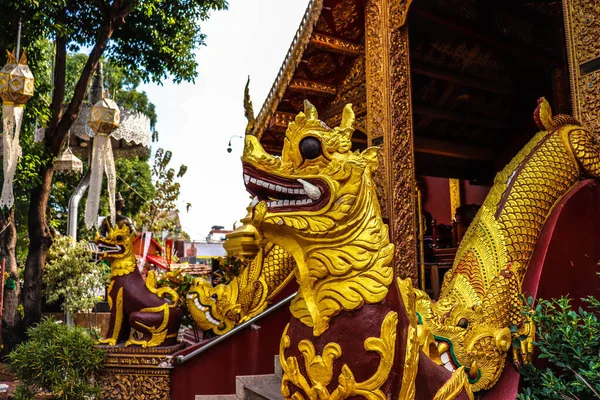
(569, 341)
(71, 275)
(58, 359)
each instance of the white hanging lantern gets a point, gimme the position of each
(16, 88)
(68, 163)
(104, 119)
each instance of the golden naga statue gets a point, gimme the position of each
(225, 306)
(355, 333)
(135, 304)
(471, 322)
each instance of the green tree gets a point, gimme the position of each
(156, 215)
(27, 175)
(134, 176)
(150, 40)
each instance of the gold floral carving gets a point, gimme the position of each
(344, 14)
(583, 23)
(319, 368)
(390, 118)
(281, 120)
(582, 26)
(352, 90)
(124, 385)
(401, 159)
(377, 54)
(321, 64)
(136, 372)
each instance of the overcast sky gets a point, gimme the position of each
(195, 121)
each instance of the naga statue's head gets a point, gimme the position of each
(117, 244)
(318, 202)
(225, 306)
(470, 325)
(213, 308)
(471, 332)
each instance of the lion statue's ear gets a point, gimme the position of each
(348, 118)
(371, 156)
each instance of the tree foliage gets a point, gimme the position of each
(148, 40)
(157, 214)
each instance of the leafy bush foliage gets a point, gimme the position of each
(57, 359)
(71, 275)
(569, 341)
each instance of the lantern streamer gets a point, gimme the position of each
(12, 118)
(102, 162)
(16, 88)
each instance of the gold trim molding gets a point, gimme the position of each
(335, 45)
(314, 87)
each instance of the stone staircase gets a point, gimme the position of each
(253, 387)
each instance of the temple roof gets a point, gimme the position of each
(324, 49)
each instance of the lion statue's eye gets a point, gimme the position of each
(214, 297)
(310, 148)
(119, 238)
(463, 323)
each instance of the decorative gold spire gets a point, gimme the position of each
(248, 110)
(244, 242)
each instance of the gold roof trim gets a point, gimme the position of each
(290, 63)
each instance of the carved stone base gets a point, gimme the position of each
(137, 373)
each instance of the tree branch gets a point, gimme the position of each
(60, 64)
(116, 19)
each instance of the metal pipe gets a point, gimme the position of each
(2, 287)
(74, 205)
(182, 359)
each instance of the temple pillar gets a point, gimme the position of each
(390, 125)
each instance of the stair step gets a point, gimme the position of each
(264, 391)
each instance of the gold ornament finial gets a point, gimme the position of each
(245, 241)
(248, 110)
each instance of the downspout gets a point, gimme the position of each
(74, 205)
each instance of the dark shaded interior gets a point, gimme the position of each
(477, 70)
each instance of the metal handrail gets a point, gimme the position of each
(182, 359)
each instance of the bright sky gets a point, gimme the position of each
(195, 121)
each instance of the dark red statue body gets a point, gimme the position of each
(135, 303)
